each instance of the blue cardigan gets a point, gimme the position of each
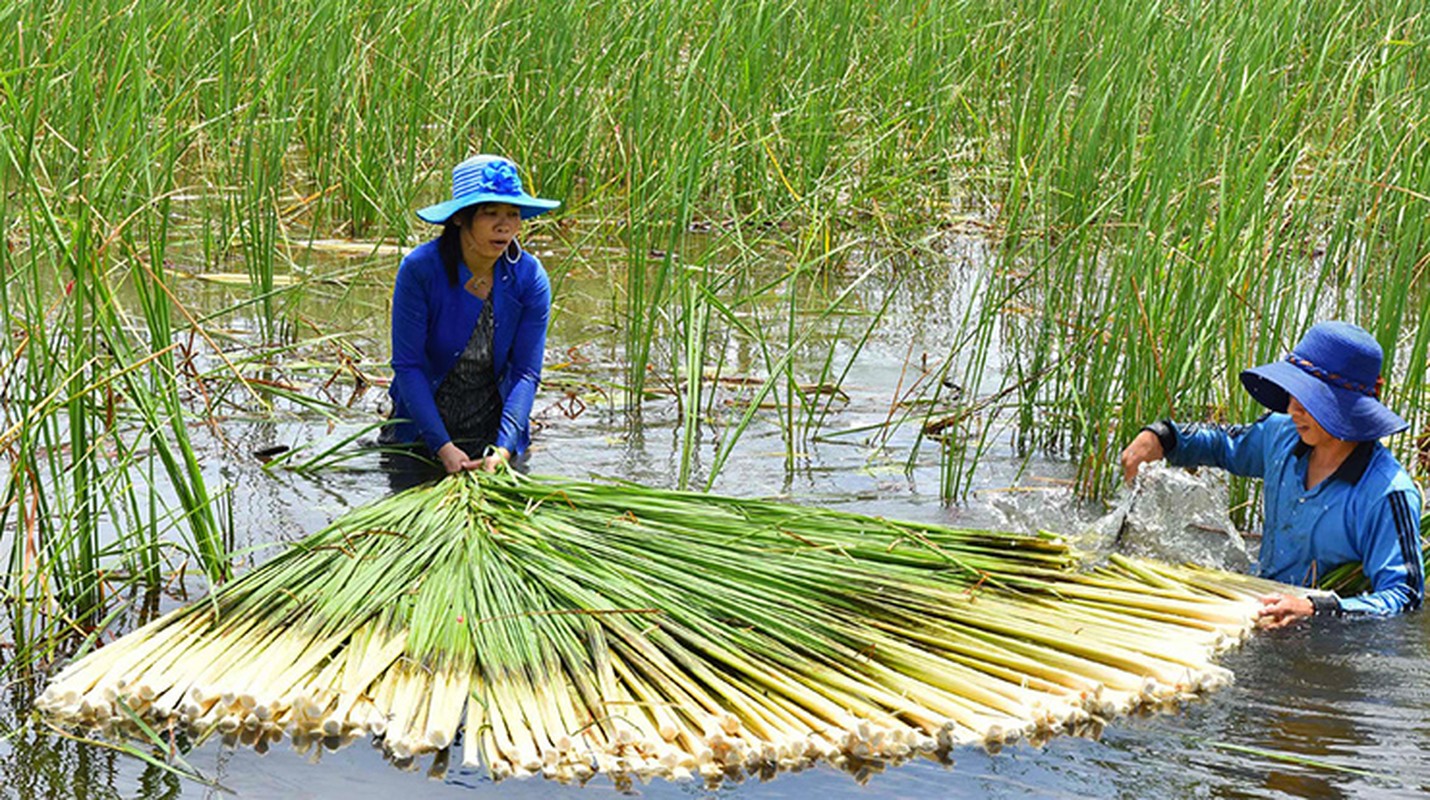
(432, 321)
(1368, 511)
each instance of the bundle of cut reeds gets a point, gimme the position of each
(581, 628)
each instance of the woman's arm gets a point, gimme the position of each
(409, 355)
(1392, 561)
(525, 362)
(1392, 558)
(1238, 449)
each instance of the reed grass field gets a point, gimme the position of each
(1165, 191)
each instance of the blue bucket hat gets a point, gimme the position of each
(1335, 373)
(486, 179)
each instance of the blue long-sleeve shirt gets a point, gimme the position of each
(432, 320)
(1367, 511)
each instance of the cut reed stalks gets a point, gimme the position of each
(580, 628)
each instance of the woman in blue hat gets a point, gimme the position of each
(469, 315)
(1333, 495)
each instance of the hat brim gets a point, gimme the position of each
(530, 206)
(1344, 413)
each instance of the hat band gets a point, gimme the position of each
(493, 177)
(1335, 379)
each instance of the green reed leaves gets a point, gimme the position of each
(633, 631)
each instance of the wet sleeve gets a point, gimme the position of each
(524, 364)
(1238, 449)
(1392, 558)
(409, 355)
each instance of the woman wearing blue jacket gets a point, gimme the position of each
(1333, 494)
(469, 316)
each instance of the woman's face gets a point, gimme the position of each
(491, 228)
(1311, 431)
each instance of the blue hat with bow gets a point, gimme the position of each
(1334, 372)
(486, 179)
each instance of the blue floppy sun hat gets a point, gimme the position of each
(486, 179)
(1335, 373)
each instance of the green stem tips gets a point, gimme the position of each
(580, 628)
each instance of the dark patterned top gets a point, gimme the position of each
(468, 398)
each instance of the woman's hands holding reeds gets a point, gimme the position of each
(1144, 448)
(1280, 610)
(496, 458)
(454, 459)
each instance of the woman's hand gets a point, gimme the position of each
(1144, 448)
(498, 458)
(455, 459)
(1280, 610)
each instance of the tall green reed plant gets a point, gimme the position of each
(1141, 165)
(1187, 191)
(86, 393)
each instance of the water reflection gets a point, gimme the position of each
(38, 763)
